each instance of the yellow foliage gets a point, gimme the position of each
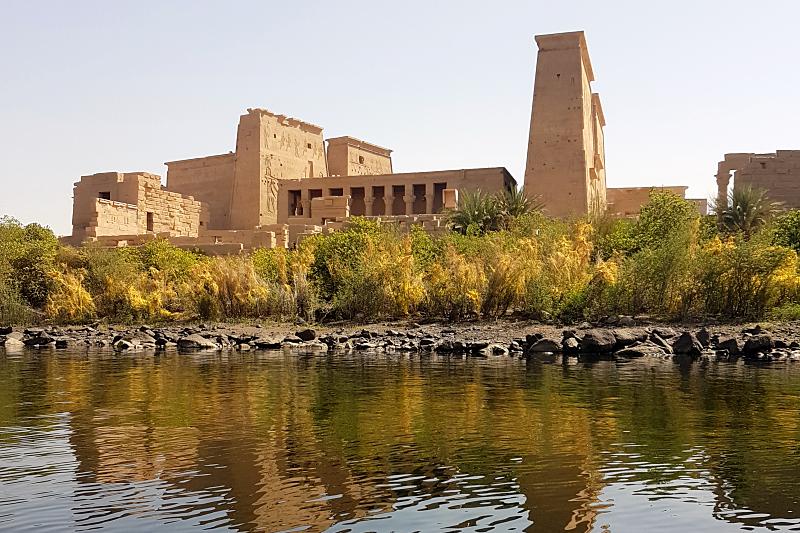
(69, 301)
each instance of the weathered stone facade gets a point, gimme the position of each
(566, 151)
(281, 182)
(777, 173)
(115, 203)
(628, 201)
(275, 188)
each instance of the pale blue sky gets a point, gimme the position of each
(91, 86)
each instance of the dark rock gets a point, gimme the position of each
(196, 342)
(62, 342)
(38, 338)
(123, 344)
(640, 350)
(704, 337)
(292, 339)
(545, 345)
(571, 345)
(307, 334)
(364, 345)
(499, 349)
(444, 346)
(477, 346)
(5, 330)
(627, 337)
(598, 341)
(665, 333)
(267, 343)
(755, 330)
(730, 345)
(585, 325)
(660, 342)
(780, 343)
(758, 343)
(687, 344)
(626, 321)
(533, 338)
(515, 346)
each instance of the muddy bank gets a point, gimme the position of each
(629, 339)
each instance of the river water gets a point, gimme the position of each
(272, 441)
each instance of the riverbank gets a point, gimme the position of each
(625, 339)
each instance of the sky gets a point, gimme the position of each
(96, 86)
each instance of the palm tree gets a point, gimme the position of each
(515, 203)
(748, 209)
(475, 210)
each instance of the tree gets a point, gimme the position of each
(748, 210)
(787, 230)
(483, 212)
(514, 203)
(476, 212)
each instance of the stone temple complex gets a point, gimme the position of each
(777, 173)
(285, 181)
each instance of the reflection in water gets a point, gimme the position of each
(275, 442)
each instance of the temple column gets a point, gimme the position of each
(723, 179)
(409, 201)
(369, 199)
(429, 198)
(305, 202)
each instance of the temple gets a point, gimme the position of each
(284, 181)
(776, 173)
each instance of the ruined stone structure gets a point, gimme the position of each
(566, 154)
(114, 203)
(280, 185)
(777, 173)
(628, 201)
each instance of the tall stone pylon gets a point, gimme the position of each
(566, 156)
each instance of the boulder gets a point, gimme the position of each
(660, 342)
(627, 337)
(307, 334)
(626, 321)
(640, 350)
(665, 333)
(196, 342)
(14, 340)
(687, 344)
(598, 341)
(545, 345)
(704, 337)
(570, 345)
(38, 338)
(756, 344)
(730, 345)
(267, 343)
(5, 330)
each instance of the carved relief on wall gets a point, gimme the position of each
(271, 195)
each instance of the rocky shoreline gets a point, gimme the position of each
(626, 340)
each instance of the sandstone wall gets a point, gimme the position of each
(628, 201)
(85, 192)
(411, 193)
(778, 174)
(208, 180)
(271, 148)
(348, 156)
(566, 154)
(112, 218)
(171, 211)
